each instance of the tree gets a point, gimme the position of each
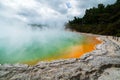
(101, 6)
(118, 1)
(100, 20)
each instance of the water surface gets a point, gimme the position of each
(33, 47)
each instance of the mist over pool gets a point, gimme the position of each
(21, 42)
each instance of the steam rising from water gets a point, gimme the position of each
(20, 42)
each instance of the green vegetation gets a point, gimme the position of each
(103, 20)
(41, 26)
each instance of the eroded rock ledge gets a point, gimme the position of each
(101, 64)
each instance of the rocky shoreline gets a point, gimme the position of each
(100, 64)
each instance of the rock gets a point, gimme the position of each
(3, 73)
(20, 76)
(110, 74)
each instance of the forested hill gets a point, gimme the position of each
(99, 20)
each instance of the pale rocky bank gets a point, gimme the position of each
(100, 64)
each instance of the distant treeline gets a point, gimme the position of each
(101, 20)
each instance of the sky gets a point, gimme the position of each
(45, 11)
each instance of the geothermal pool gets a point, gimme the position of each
(30, 47)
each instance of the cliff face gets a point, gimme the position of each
(101, 64)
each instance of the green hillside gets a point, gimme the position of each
(98, 20)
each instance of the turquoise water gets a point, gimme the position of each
(23, 46)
